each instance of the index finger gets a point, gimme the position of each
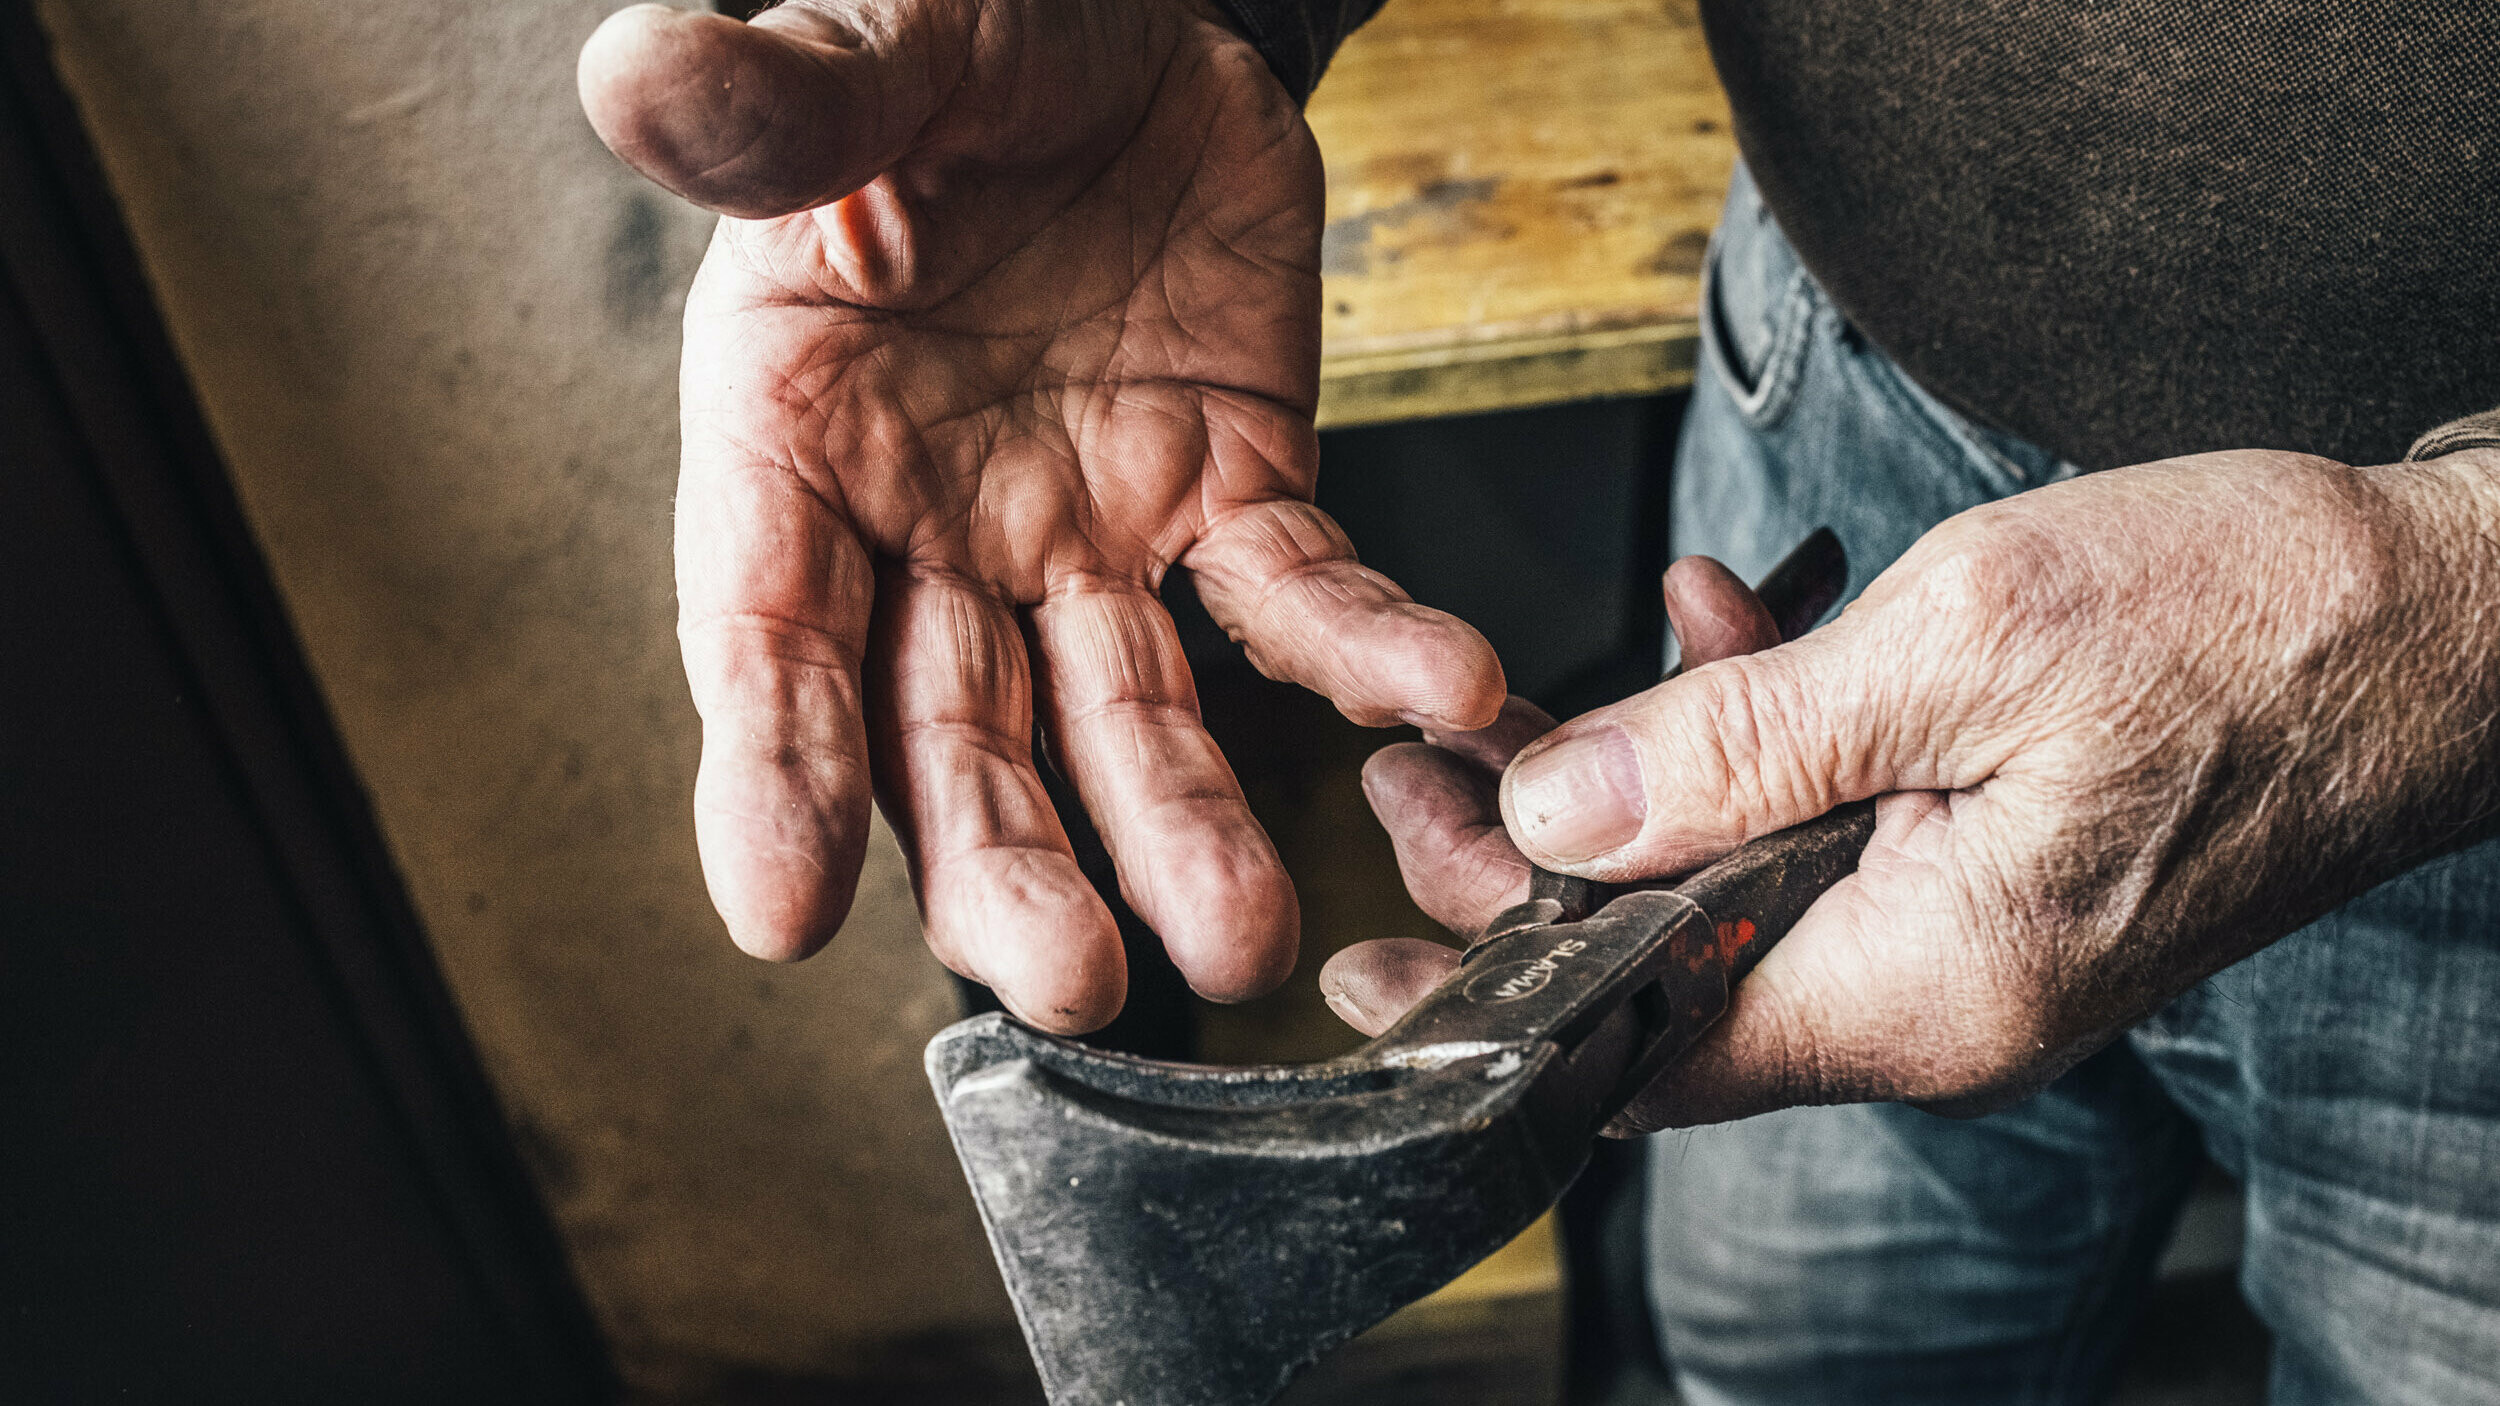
(1281, 577)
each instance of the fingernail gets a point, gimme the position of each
(1581, 797)
(1344, 1006)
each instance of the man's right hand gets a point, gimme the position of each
(1017, 308)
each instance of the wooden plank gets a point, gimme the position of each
(1506, 374)
(1519, 195)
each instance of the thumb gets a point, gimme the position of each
(1671, 779)
(798, 108)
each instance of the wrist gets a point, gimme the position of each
(2442, 530)
(2446, 518)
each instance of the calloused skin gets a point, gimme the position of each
(2125, 731)
(1015, 309)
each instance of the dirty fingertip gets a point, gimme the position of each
(1371, 984)
(1063, 1013)
(1068, 987)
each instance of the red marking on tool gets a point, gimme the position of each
(1733, 938)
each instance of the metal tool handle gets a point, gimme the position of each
(1624, 990)
(1758, 893)
(1748, 902)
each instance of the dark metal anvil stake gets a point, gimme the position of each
(1191, 1235)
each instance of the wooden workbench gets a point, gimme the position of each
(1519, 193)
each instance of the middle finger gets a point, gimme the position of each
(951, 718)
(1123, 716)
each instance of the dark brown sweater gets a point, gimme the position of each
(2126, 229)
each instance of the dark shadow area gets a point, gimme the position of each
(2198, 1344)
(1545, 529)
(249, 1155)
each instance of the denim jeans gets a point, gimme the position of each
(2348, 1075)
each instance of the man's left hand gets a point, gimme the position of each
(2126, 730)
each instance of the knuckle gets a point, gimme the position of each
(1981, 596)
(1761, 747)
(1978, 569)
(1709, 743)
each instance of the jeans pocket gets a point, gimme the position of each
(1764, 384)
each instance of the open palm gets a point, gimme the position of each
(1019, 309)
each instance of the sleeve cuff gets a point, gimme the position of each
(1299, 37)
(2473, 432)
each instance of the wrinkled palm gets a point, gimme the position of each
(1043, 323)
